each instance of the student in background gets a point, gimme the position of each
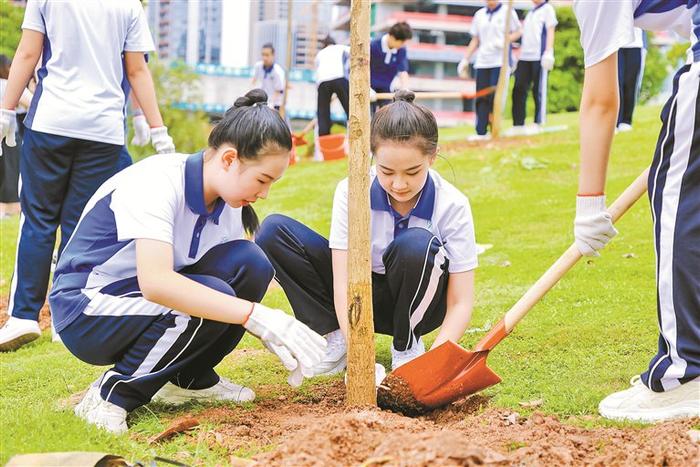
(269, 76)
(630, 70)
(536, 61)
(332, 68)
(488, 26)
(74, 129)
(388, 61)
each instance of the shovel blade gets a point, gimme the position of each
(447, 373)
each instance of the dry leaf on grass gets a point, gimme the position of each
(179, 425)
(531, 404)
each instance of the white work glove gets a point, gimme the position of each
(8, 128)
(161, 140)
(372, 95)
(379, 374)
(593, 227)
(298, 347)
(142, 132)
(547, 60)
(463, 68)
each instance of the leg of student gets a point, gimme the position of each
(45, 166)
(169, 345)
(341, 87)
(416, 280)
(303, 267)
(482, 103)
(630, 79)
(674, 191)
(323, 108)
(93, 164)
(520, 89)
(621, 66)
(124, 159)
(539, 91)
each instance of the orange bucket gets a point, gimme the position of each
(332, 146)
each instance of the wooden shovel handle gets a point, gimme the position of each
(562, 265)
(441, 94)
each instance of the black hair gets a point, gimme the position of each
(268, 45)
(328, 40)
(403, 121)
(254, 129)
(401, 31)
(5, 63)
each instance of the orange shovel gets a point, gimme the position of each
(450, 372)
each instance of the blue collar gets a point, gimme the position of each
(269, 69)
(379, 199)
(194, 189)
(491, 12)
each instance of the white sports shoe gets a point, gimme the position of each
(479, 138)
(641, 404)
(400, 357)
(335, 359)
(224, 390)
(96, 411)
(379, 374)
(16, 332)
(623, 127)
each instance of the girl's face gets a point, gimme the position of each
(402, 169)
(243, 181)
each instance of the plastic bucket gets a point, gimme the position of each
(332, 146)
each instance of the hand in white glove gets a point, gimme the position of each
(298, 347)
(161, 140)
(463, 68)
(593, 227)
(142, 132)
(8, 128)
(547, 60)
(372, 95)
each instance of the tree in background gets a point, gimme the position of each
(176, 83)
(11, 17)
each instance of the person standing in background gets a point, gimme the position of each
(630, 69)
(536, 61)
(388, 60)
(487, 40)
(331, 78)
(74, 130)
(269, 76)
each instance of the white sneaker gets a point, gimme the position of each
(479, 138)
(641, 404)
(96, 411)
(16, 332)
(335, 359)
(224, 390)
(623, 127)
(55, 337)
(533, 129)
(400, 357)
(379, 374)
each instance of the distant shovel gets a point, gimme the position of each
(450, 372)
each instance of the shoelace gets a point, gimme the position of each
(636, 380)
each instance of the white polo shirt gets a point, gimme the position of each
(79, 92)
(488, 26)
(535, 25)
(160, 198)
(638, 42)
(441, 209)
(271, 81)
(609, 26)
(332, 63)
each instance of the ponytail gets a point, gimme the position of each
(250, 220)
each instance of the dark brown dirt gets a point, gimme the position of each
(44, 314)
(394, 394)
(317, 429)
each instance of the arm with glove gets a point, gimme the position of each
(593, 227)
(547, 60)
(143, 89)
(25, 60)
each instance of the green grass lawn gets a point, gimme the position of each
(594, 331)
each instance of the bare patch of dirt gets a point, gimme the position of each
(502, 143)
(317, 429)
(44, 314)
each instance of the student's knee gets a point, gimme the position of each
(254, 263)
(213, 282)
(268, 237)
(411, 247)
